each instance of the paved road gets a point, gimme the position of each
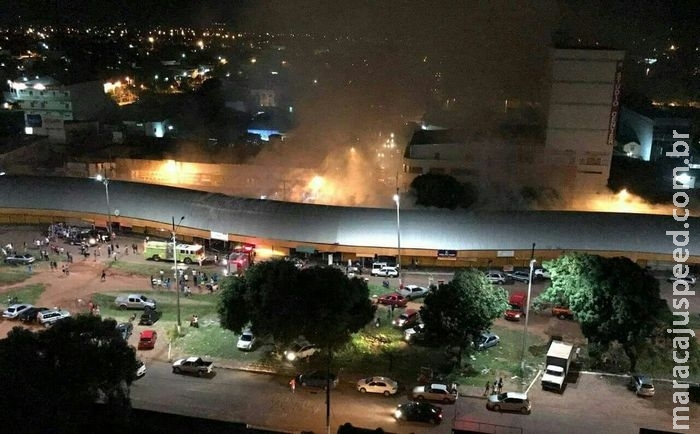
(593, 404)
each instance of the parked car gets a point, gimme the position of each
(30, 315)
(642, 385)
(411, 292)
(496, 277)
(125, 329)
(193, 365)
(394, 299)
(509, 401)
(140, 368)
(408, 318)
(387, 272)
(385, 386)
(48, 318)
(376, 266)
(15, 310)
(487, 340)
(541, 273)
(147, 339)
(246, 341)
(150, 316)
(691, 279)
(520, 276)
(317, 379)
(414, 334)
(419, 412)
(562, 312)
(300, 350)
(24, 259)
(434, 392)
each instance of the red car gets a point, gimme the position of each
(147, 340)
(395, 299)
(517, 302)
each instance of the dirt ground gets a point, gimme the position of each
(73, 292)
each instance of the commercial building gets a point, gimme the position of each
(582, 119)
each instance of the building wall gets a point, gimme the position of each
(582, 116)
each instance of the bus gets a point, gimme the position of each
(163, 251)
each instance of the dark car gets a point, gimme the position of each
(316, 379)
(419, 412)
(125, 329)
(150, 316)
(30, 315)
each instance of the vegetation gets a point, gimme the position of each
(26, 293)
(13, 274)
(279, 300)
(617, 303)
(458, 312)
(53, 377)
(443, 191)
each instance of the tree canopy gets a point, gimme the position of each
(275, 298)
(457, 312)
(614, 299)
(52, 378)
(442, 191)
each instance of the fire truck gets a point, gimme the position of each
(239, 259)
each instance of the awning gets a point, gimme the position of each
(305, 249)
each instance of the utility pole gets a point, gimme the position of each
(175, 274)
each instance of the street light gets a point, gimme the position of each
(527, 312)
(105, 181)
(176, 282)
(397, 199)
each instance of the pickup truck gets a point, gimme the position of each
(134, 301)
(192, 365)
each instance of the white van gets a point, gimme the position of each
(376, 266)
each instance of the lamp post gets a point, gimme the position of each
(176, 282)
(527, 312)
(105, 181)
(397, 199)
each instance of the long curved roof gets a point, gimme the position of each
(434, 229)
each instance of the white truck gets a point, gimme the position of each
(557, 366)
(134, 301)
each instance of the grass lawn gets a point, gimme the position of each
(503, 359)
(152, 268)
(10, 274)
(26, 294)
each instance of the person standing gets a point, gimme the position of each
(293, 385)
(103, 276)
(500, 384)
(487, 388)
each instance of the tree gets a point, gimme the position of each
(277, 299)
(54, 377)
(442, 191)
(458, 312)
(614, 299)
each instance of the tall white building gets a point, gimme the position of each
(582, 118)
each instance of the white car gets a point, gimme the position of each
(14, 310)
(48, 318)
(692, 280)
(388, 272)
(246, 342)
(385, 386)
(496, 277)
(300, 350)
(434, 392)
(140, 369)
(541, 273)
(509, 401)
(412, 292)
